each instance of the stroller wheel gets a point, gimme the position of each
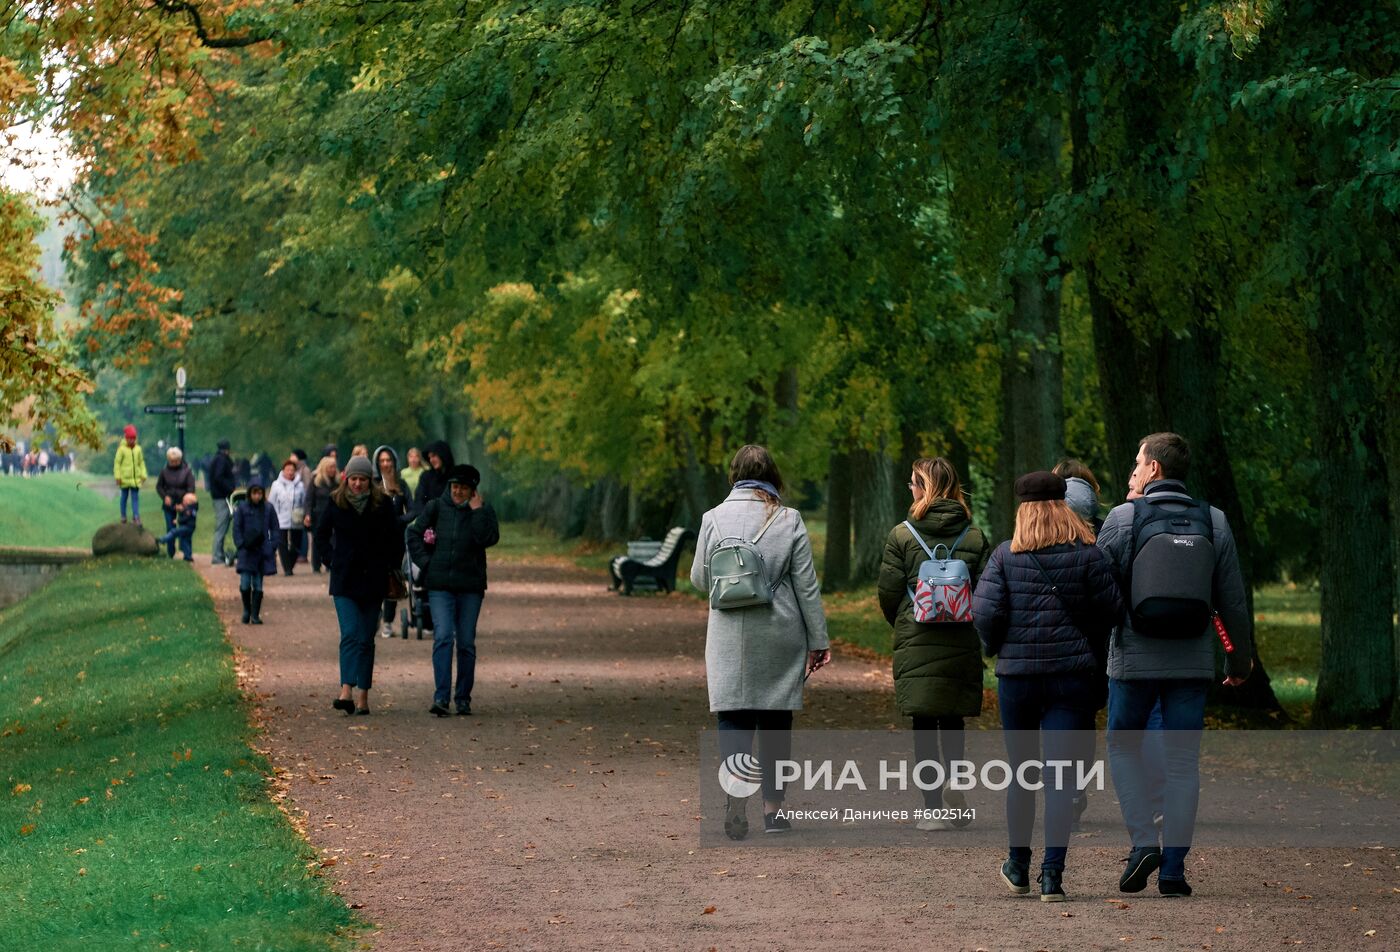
(403, 623)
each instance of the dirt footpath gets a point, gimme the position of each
(563, 815)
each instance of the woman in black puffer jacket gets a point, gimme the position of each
(448, 542)
(1044, 607)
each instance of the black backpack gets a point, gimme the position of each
(1171, 574)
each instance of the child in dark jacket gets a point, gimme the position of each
(186, 514)
(256, 534)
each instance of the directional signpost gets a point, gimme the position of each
(184, 397)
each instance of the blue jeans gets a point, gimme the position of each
(169, 528)
(358, 621)
(1056, 711)
(774, 730)
(183, 535)
(250, 581)
(222, 518)
(1130, 757)
(454, 621)
(135, 496)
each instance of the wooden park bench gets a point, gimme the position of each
(641, 566)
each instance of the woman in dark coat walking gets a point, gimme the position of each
(386, 477)
(362, 535)
(1044, 608)
(255, 536)
(318, 499)
(448, 542)
(937, 666)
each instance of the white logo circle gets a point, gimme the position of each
(740, 775)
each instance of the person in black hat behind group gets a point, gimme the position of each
(222, 483)
(448, 542)
(1044, 608)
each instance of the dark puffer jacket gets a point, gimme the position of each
(1029, 629)
(456, 561)
(365, 548)
(174, 481)
(937, 667)
(255, 535)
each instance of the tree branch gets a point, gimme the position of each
(191, 11)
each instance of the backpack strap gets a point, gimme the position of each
(776, 513)
(918, 538)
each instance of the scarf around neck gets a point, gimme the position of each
(759, 484)
(359, 501)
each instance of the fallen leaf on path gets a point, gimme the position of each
(710, 910)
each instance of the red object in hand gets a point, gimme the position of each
(1224, 635)
(429, 536)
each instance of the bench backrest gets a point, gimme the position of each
(673, 541)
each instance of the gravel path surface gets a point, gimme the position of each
(564, 814)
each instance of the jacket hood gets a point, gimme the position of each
(256, 483)
(441, 449)
(944, 516)
(374, 458)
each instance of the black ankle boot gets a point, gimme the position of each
(247, 604)
(257, 607)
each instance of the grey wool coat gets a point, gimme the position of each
(755, 657)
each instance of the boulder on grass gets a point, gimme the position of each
(123, 538)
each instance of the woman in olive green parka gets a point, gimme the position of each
(937, 666)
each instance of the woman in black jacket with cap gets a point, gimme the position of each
(448, 543)
(1044, 607)
(362, 535)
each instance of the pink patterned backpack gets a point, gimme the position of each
(943, 591)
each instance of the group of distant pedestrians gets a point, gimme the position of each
(353, 522)
(33, 461)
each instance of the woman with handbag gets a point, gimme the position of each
(760, 648)
(937, 659)
(448, 543)
(1044, 608)
(362, 535)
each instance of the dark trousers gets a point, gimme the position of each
(940, 739)
(1135, 765)
(1056, 713)
(287, 547)
(169, 527)
(774, 730)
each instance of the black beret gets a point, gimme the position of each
(1040, 486)
(464, 473)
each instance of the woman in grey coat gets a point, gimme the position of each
(757, 658)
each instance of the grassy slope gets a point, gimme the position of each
(64, 510)
(133, 811)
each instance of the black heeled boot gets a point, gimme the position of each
(257, 607)
(247, 604)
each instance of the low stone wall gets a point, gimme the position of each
(22, 571)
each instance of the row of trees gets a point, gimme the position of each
(610, 242)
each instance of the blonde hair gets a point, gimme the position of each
(936, 479)
(323, 471)
(360, 450)
(1042, 524)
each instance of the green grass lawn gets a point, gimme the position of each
(133, 813)
(63, 510)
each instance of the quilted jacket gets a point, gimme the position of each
(1028, 627)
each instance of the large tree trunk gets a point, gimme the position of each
(1356, 544)
(874, 512)
(837, 569)
(1189, 370)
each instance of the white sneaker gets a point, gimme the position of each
(387, 631)
(933, 825)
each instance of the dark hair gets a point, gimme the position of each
(755, 462)
(1069, 468)
(1170, 451)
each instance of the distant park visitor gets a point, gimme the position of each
(222, 482)
(448, 542)
(318, 497)
(255, 536)
(186, 514)
(759, 649)
(129, 470)
(176, 479)
(412, 471)
(386, 474)
(360, 531)
(288, 497)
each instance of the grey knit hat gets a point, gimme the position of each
(1081, 498)
(359, 466)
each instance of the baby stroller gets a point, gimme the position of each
(415, 615)
(235, 497)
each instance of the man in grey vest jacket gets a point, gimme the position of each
(1173, 672)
